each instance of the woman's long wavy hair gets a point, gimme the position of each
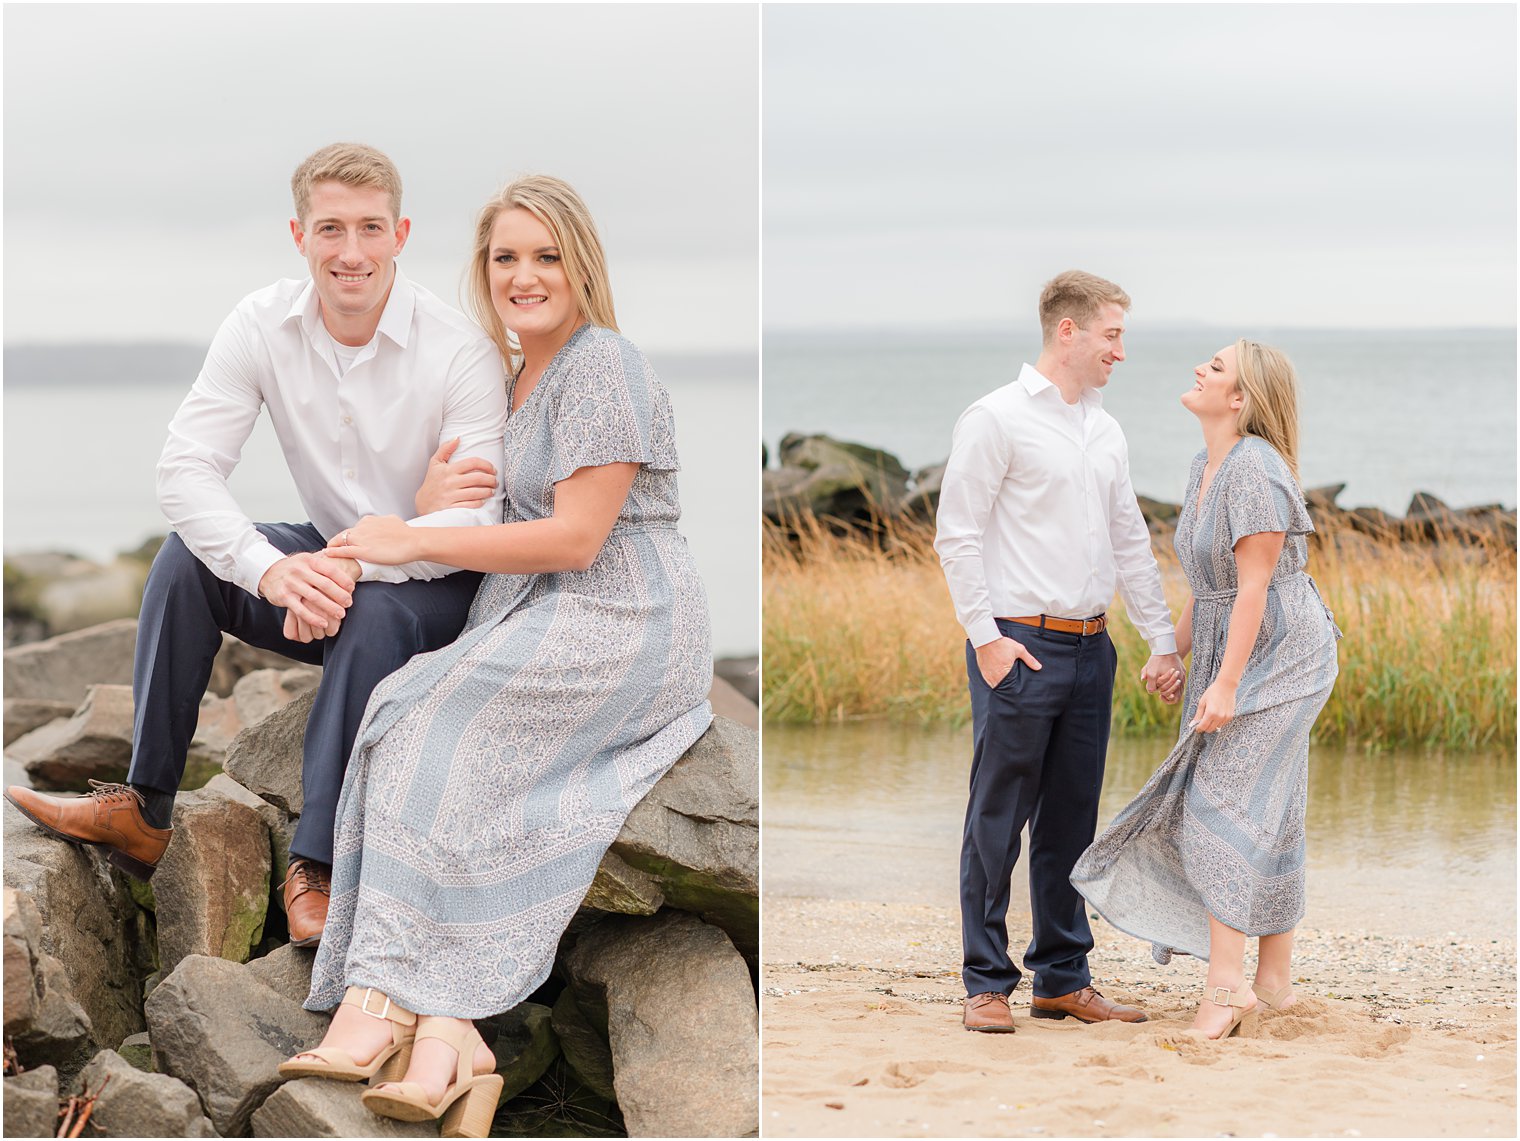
(554, 203)
(1269, 409)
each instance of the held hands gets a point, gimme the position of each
(995, 659)
(377, 539)
(1216, 708)
(315, 591)
(461, 483)
(1164, 674)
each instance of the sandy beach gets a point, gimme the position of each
(861, 1037)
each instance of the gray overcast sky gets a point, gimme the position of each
(1320, 165)
(148, 151)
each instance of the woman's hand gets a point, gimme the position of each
(461, 483)
(378, 539)
(1216, 708)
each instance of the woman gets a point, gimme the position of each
(489, 777)
(1212, 850)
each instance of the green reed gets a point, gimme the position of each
(862, 626)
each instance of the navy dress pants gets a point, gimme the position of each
(1041, 737)
(184, 611)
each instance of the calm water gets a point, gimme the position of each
(1410, 843)
(1386, 413)
(80, 454)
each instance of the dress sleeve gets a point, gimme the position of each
(612, 409)
(1262, 495)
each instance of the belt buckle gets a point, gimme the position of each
(1097, 625)
(384, 1011)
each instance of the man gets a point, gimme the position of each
(1037, 520)
(364, 375)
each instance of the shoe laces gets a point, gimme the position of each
(309, 876)
(108, 790)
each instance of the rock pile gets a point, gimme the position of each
(854, 487)
(176, 1001)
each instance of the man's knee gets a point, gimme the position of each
(380, 608)
(174, 564)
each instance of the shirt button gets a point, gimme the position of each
(348, 419)
(349, 474)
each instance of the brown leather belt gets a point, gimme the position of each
(1064, 625)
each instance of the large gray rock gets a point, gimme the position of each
(316, 1107)
(63, 668)
(211, 889)
(236, 660)
(262, 692)
(222, 1032)
(741, 673)
(697, 833)
(136, 1104)
(729, 702)
(94, 744)
(89, 924)
(31, 1103)
(584, 1044)
(23, 714)
(281, 825)
(525, 1046)
(286, 970)
(676, 999)
(266, 758)
(138, 1051)
(822, 476)
(42, 1019)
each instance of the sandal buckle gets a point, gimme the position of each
(1221, 990)
(384, 1011)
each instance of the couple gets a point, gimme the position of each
(505, 673)
(1037, 521)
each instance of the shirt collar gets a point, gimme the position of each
(1035, 382)
(395, 318)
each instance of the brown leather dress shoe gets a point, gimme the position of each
(110, 816)
(308, 888)
(988, 1013)
(1085, 1005)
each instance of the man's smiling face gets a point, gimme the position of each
(350, 240)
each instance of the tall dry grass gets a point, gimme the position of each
(863, 627)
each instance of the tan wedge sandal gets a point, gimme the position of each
(1243, 1018)
(386, 1066)
(467, 1105)
(1274, 999)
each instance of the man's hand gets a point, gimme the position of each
(996, 659)
(298, 631)
(1164, 674)
(313, 588)
(463, 483)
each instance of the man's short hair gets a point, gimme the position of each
(352, 164)
(1076, 295)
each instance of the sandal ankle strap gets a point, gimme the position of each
(1231, 997)
(464, 1040)
(378, 1004)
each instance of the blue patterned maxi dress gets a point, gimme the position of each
(489, 777)
(1219, 829)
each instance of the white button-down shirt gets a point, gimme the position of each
(1037, 515)
(357, 441)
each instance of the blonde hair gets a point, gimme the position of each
(554, 203)
(352, 164)
(1269, 408)
(1076, 295)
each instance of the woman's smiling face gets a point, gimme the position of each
(530, 289)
